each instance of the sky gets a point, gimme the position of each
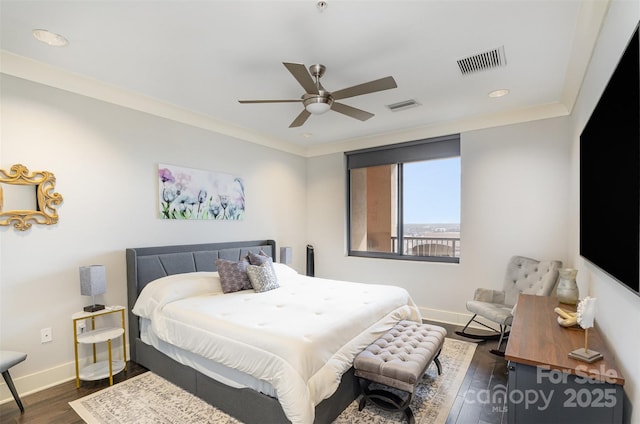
(432, 191)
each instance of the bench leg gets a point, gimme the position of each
(364, 388)
(437, 361)
(386, 400)
(409, 413)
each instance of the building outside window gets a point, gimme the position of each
(404, 200)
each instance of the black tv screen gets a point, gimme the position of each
(610, 175)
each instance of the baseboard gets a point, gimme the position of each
(32, 383)
(41, 380)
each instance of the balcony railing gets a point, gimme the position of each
(428, 246)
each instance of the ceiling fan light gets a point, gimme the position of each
(318, 108)
(317, 105)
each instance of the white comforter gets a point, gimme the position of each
(300, 337)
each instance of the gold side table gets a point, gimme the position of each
(99, 369)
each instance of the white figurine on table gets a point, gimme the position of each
(585, 317)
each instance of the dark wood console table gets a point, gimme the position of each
(545, 385)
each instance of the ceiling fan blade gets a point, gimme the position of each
(300, 119)
(366, 88)
(303, 76)
(270, 101)
(351, 111)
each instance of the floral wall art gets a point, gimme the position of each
(186, 193)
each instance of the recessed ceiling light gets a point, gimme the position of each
(499, 93)
(307, 135)
(50, 38)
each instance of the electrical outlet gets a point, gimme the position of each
(81, 326)
(46, 335)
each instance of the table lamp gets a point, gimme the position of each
(93, 281)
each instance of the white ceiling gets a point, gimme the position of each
(198, 58)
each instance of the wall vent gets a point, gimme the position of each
(405, 104)
(481, 62)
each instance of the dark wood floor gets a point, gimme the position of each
(51, 406)
(486, 375)
(483, 392)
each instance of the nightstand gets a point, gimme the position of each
(99, 369)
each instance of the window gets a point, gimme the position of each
(404, 200)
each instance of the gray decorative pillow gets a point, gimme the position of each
(260, 259)
(233, 275)
(262, 278)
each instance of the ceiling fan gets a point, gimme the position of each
(317, 100)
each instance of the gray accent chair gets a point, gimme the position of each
(524, 275)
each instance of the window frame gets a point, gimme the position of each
(397, 154)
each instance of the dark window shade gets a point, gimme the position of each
(412, 151)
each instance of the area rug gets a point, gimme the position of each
(148, 398)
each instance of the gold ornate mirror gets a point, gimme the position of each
(46, 200)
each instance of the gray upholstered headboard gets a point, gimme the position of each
(145, 264)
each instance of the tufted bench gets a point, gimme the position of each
(398, 359)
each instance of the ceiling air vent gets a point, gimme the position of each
(405, 104)
(483, 61)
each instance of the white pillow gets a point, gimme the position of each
(167, 289)
(283, 271)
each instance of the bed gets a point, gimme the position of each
(276, 356)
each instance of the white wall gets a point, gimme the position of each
(618, 310)
(105, 160)
(515, 183)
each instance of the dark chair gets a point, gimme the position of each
(9, 358)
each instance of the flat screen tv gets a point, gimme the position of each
(610, 175)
